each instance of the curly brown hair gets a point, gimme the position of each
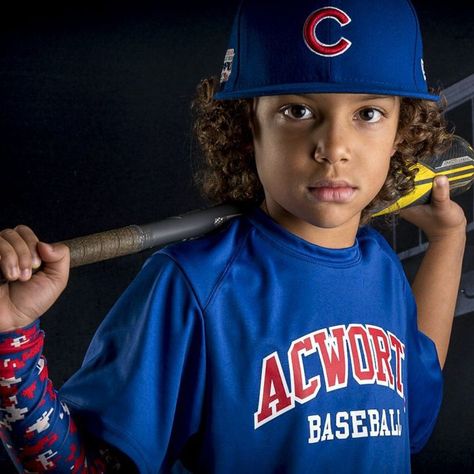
(228, 172)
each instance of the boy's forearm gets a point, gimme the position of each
(35, 426)
(436, 287)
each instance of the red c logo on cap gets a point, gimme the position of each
(311, 39)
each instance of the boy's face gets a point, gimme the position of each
(322, 158)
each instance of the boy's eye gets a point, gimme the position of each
(370, 115)
(297, 112)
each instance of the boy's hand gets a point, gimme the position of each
(25, 297)
(442, 218)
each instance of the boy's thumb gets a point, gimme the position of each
(440, 194)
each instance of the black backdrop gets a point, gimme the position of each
(95, 134)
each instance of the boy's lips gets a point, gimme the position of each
(331, 183)
(332, 191)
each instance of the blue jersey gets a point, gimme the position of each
(251, 350)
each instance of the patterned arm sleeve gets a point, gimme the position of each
(35, 425)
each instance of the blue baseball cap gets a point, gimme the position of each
(315, 46)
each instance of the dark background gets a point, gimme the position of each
(96, 134)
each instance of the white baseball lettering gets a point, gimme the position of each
(314, 428)
(353, 424)
(384, 431)
(327, 431)
(342, 418)
(374, 422)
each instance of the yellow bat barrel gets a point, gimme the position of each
(457, 163)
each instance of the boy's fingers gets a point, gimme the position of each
(31, 241)
(8, 260)
(16, 256)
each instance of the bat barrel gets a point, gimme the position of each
(187, 226)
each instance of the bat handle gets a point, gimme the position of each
(105, 245)
(102, 246)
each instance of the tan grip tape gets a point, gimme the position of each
(105, 245)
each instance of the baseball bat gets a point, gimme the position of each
(136, 238)
(457, 162)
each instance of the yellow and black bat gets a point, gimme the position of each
(457, 163)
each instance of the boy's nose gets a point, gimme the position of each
(331, 144)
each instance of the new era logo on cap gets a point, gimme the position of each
(227, 68)
(314, 46)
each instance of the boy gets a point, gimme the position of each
(288, 341)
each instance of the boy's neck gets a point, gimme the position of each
(335, 238)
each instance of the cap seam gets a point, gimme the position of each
(417, 30)
(239, 33)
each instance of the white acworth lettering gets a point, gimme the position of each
(376, 357)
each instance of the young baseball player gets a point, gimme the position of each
(289, 341)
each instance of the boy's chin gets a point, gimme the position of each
(331, 215)
(336, 222)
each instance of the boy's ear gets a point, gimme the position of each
(395, 145)
(398, 137)
(252, 117)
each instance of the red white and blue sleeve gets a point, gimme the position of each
(36, 427)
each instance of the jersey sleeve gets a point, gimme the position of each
(141, 385)
(424, 378)
(425, 381)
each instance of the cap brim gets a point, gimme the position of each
(320, 88)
